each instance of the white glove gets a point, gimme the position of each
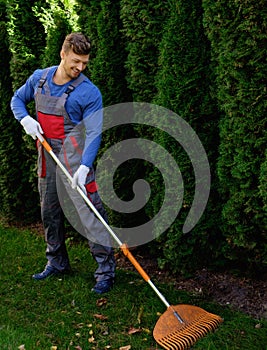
(79, 177)
(31, 126)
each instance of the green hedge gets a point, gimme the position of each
(185, 85)
(237, 31)
(19, 196)
(108, 66)
(142, 28)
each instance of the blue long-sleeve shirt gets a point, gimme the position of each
(81, 104)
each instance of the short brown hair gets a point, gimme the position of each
(78, 42)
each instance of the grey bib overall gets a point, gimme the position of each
(56, 124)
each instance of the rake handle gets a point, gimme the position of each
(135, 263)
(44, 143)
(145, 276)
(122, 246)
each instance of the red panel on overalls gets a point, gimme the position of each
(52, 125)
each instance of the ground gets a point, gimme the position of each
(243, 294)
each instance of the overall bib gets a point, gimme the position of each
(56, 124)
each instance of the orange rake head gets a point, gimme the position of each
(182, 325)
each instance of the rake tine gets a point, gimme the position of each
(182, 341)
(185, 340)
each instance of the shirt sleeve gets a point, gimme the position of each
(93, 122)
(24, 95)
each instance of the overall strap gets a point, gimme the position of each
(42, 82)
(73, 85)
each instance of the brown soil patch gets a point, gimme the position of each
(243, 294)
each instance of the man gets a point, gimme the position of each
(64, 97)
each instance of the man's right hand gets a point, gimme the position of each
(31, 126)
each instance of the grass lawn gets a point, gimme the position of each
(62, 313)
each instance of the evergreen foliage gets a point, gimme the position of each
(87, 12)
(184, 83)
(108, 66)
(18, 183)
(142, 28)
(237, 31)
(142, 32)
(26, 39)
(8, 148)
(57, 22)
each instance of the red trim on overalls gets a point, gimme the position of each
(76, 145)
(67, 161)
(78, 150)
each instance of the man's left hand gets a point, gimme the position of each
(79, 178)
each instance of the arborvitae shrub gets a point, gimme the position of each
(185, 86)
(237, 31)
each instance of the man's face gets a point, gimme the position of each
(73, 64)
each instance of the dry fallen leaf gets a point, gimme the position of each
(79, 325)
(146, 330)
(53, 347)
(21, 347)
(140, 314)
(134, 330)
(127, 347)
(91, 339)
(100, 317)
(102, 301)
(78, 347)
